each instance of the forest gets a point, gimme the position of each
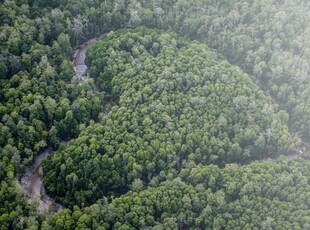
(191, 114)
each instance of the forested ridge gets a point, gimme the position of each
(168, 140)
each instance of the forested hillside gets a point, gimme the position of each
(181, 91)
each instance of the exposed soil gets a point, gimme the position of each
(79, 59)
(32, 181)
(79, 56)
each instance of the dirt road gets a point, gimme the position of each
(32, 182)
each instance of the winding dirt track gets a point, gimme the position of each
(79, 59)
(32, 181)
(79, 56)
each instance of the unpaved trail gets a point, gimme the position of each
(79, 56)
(32, 181)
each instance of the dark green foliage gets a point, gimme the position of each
(167, 105)
(261, 195)
(176, 102)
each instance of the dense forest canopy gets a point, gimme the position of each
(171, 96)
(207, 197)
(183, 90)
